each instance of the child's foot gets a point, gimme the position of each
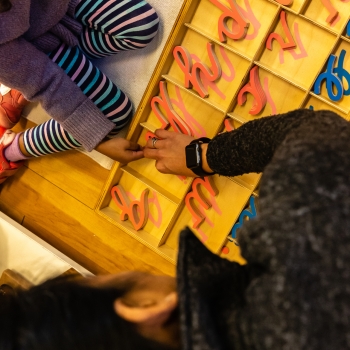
(7, 168)
(11, 106)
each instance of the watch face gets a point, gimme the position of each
(192, 156)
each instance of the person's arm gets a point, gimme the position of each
(251, 147)
(247, 149)
(27, 69)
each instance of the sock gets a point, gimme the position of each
(13, 152)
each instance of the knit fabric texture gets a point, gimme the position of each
(297, 249)
(66, 31)
(30, 30)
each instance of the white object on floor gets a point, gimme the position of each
(4, 89)
(25, 253)
(130, 70)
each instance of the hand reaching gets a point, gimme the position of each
(121, 150)
(169, 152)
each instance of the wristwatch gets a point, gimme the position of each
(194, 156)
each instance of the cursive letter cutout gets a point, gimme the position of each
(300, 45)
(235, 14)
(227, 77)
(285, 2)
(154, 200)
(172, 118)
(196, 127)
(269, 99)
(250, 214)
(130, 209)
(196, 194)
(342, 73)
(290, 43)
(333, 13)
(249, 16)
(151, 200)
(331, 79)
(254, 87)
(228, 124)
(193, 71)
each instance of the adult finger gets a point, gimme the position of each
(161, 167)
(151, 153)
(149, 143)
(164, 134)
(157, 144)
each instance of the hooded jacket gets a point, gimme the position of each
(28, 32)
(294, 292)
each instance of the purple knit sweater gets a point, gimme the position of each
(30, 30)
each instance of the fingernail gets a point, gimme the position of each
(170, 297)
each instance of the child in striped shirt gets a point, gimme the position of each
(45, 52)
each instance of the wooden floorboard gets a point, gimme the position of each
(72, 171)
(55, 197)
(82, 178)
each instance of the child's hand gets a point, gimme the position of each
(121, 150)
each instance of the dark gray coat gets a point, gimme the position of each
(294, 293)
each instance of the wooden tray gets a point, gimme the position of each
(309, 32)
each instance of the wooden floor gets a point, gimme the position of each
(55, 197)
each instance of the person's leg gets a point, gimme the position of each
(50, 137)
(111, 26)
(112, 101)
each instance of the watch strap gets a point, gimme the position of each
(199, 169)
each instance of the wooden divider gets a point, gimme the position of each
(226, 62)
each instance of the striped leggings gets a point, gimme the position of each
(110, 26)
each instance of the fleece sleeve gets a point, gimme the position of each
(27, 69)
(251, 147)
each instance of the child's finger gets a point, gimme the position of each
(135, 155)
(138, 154)
(133, 146)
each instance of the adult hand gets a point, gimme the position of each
(169, 152)
(121, 150)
